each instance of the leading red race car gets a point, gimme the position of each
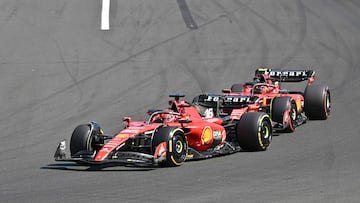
(169, 137)
(288, 109)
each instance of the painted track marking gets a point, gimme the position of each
(105, 15)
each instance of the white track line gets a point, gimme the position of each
(105, 15)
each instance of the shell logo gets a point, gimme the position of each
(206, 135)
(121, 135)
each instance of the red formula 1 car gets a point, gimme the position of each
(288, 109)
(169, 137)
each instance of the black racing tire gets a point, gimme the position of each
(81, 139)
(176, 144)
(283, 110)
(236, 88)
(177, 149)
(254, 131)
(317, 104)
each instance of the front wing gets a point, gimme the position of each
(117, 158)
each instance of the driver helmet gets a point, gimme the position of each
(260, 89)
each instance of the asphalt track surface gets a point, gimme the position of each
(58, 70)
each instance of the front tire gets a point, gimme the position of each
(177, 149)
(81, 139)
(175, 142)
(254, 131)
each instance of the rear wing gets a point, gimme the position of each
(281, 75)
(224, 101)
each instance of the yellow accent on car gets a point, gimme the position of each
(298, 105)
(259, 131)
(122, 135)
(170, 145)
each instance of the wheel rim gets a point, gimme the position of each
(179, 154)
(293, 116)
(179, 146)
(293, 113)
(91, 142)
(265, 134)
(327, 103)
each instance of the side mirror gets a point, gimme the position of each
(127, 121)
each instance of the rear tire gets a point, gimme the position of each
(80, 139)
(317, 104)
(284, 111)
(254, 131)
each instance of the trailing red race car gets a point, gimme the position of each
(169, 137)
(288, 109)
